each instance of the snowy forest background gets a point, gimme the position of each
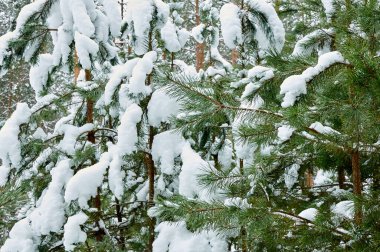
(195, 126)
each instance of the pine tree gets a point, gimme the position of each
(141, 139)
(290, 132)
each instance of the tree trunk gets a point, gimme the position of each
(309, 181)
(200, 48)
(234, 56)
(341, 177)
(119, 215)
(357, 182)
(150, 165)
(243, 234)
(91, 138)
(277, 5)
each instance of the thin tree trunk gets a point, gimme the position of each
(341, 177)
(357, 182)
(119, 216)
(200, 48)
(150, 165)
(10, 97)
(277, 5)
(309, 181)
(122, 9)
(172, 61)
(243, 234)
(243, 231)
(91, 138)
(234, 56)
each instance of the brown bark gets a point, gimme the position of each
(234, 56)
(309, 181)
(341, 177)
(10, 99)
(76, 67)
(152, 221)
(241, 166)
(122, 9)
(243, 233)
(200, 47)
(119, 216)
(357, 183)
(277, 5)
(91, 138)
(99, 233)
(172, 60)
(151, 175)
(149, 163)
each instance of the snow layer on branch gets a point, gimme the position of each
(215, 55)
(126, 144)
(163, 11)
(257, 75)
(291, 175)
(39, 73)
(231, 25)
(167, 146)
(260, 73)
(161, 107)
(86, 48)
(197, 31)
(26, 12)
(71, 134)
(323, 178)
(323, 129)
(115, 174)
(4, 42)
(170, 37)
(284, 132)
(111, 8)
(127, 131)
(139, 15)
(140, 72)
(49, 216)
(20, 238)
(309, 214)
(83, 185)
(73, 233)
(187, 70)
(192, 167)
(328, 5)
(119, 72)
(10, 147)
(140, 22)
(344, 209)
(237, 202)
(274, 22)
(303, 48)
(176, 237)
(62, 48)
(83, 13)
(295, 85)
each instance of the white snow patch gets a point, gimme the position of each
(295, 85)
(176, 237)
(309, 214)
(10, 147)
(231, 25)
(73, 233)
(167, 146)
(161, 107)
(291, 175)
